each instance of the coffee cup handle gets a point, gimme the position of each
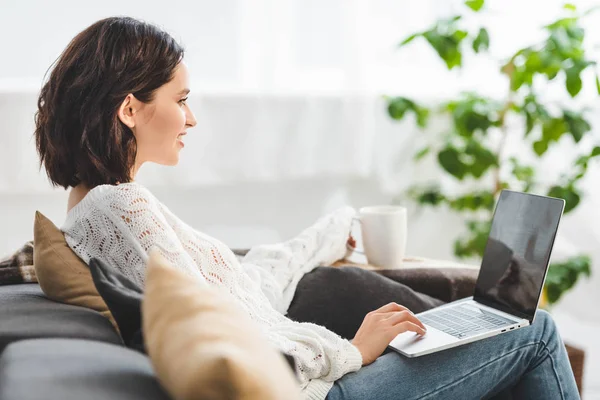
(355, 249)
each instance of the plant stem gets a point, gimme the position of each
(504, 133)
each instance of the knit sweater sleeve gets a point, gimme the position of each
(322, 356)
(278, 267)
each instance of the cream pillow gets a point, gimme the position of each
(62, 275)
(202, 346)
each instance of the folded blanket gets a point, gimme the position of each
(18, 267)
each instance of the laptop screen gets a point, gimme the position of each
(517, 252)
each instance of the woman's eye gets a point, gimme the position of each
(182, 101)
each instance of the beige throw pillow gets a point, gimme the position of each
(62, 275)
(202, 346)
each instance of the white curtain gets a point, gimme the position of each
(282, 88)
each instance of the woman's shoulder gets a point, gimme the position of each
(124, 196)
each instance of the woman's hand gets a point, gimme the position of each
(381, 326)
(351, 242)
(350, 246)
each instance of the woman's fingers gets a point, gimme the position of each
(398, 317)
(390, 307)
(407, 326)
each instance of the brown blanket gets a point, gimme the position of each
(18, 267)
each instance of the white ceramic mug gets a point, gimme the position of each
(383, 231)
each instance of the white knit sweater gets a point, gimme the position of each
(119, 224)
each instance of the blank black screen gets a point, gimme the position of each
(517, 252)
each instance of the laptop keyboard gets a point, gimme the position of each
(463, 321)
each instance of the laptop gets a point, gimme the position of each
(510, 281)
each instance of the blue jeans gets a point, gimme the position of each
(529, 362)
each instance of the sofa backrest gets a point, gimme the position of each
(26, 313)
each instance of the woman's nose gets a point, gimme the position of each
(190, 119)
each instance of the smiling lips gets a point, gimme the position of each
(179, 137)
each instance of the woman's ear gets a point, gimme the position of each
(128, 110)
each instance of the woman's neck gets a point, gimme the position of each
(76, 195)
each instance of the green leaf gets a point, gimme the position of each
(561, 23)
(569, 194)
(472, 114)
(595, 152)
(422, 153)
(450, 161)
(576, 33)
(570, 7)
(577, 125)
(409, 39)
(517, 80)
(473, 201)
(534, 61)
(399, 106)
(481, 41)
(446, 45)
(540, 147)
(483, 158)
(597, 83)
(534, 112)
(553, 129)
(583, 161)
(459, 35)
(563, 276)
(550, 62)
(428, 196)
(474, 5)
(431, 195)
(522, 172)
(573, 83)
(422, 116)
(529, 123)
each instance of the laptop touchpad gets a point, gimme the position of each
(410, 342)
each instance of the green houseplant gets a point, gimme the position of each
(473, 151)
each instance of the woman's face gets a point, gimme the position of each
(159, 126)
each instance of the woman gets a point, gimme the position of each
(116, 99)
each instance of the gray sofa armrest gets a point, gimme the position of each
(446, 284)
(72, 369)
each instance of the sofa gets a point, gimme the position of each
(50, 350)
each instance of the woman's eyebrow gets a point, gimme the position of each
(184, 91)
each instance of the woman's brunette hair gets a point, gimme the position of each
(79, 136)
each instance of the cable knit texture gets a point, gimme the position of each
(120, 224)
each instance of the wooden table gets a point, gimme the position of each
(357, 260)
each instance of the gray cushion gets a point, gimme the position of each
(339, 298)
(70, 369)
(25, 313)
